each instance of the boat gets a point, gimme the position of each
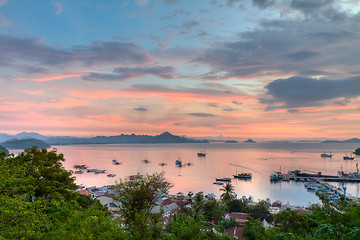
(111, 175)
(223, 179)
(78, 172)
(219, 183)
(243, 175)
(80, 166)
(178, 162)
(100, 171)
(201, 154)
(162, 164)
(114, 160)
(325, 155)
(348, 158)
(116, 163)
(146, 161)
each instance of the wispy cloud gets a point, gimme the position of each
(125, 73)
(204, 115)
(58, 7)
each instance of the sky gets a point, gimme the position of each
(260, 69)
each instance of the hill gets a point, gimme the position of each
(165, 137)
(25, 143)
(352, 140)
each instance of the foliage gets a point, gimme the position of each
(259, 211)
(37, 173)
(213, 211)
(4, 150)
(229, 223)
(357, 151)
(237, 205)
(289, 221)
(228, 194)
(86, 201)
(138, 195)
(253, 230)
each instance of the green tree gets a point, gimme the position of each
(259, 211)
(213, 211)
(237, 205)
(138, 196)
(37, 173)
(228, 194)
(253, 230)
(289, 221)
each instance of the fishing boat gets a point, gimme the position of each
(348, 158)
(201, 154)
(178, 162)
(223, 179)
(219, 183)
(111, 175)
(325, 155)
(243, 175)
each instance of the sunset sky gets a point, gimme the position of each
(260, 69)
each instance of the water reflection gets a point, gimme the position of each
(222, 160)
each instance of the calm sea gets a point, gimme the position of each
(261, 159)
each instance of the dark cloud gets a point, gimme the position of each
(283, 47)
(311, 5)
(301, 55)
(293, 110)
(263, 3)
(236, 103)
(213, 105)
(297, 92)
(229, 109)
(35, 50)
(33, 69)
(314, 72)
(140, 109)
(202, 115)
(201, 90)
(102, 77)
(123, 73)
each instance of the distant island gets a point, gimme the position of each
(353, 140)
(231, 141)
(24, 143)
(22, 140)
(249, 141)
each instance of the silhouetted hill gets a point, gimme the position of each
(25, 143)
(353, 140)
(249, 141)
(165, 137)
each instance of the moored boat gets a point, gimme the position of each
(348, 158)
(325, 155)
(223, 179)
(201, 154)
(243, 175)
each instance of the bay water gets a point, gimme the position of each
(222, 160)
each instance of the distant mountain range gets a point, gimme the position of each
(353, 140)
(165, 137)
